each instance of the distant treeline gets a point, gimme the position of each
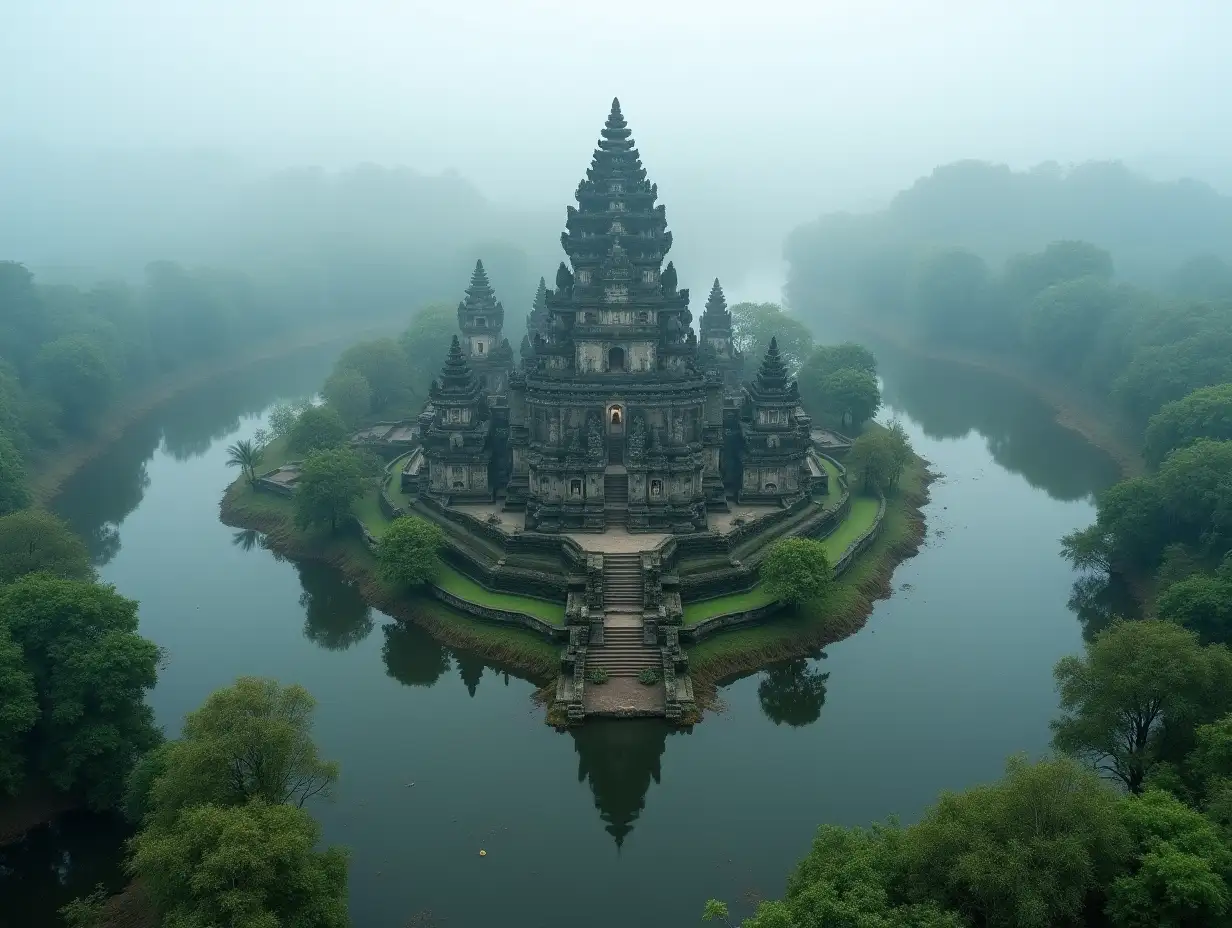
(981, 258)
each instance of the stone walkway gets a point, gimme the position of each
(721, 522)
(617, 541)
(623, 697)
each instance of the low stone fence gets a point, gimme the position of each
(704, 629)
(502, 616)
(707, 627)
(860, 544)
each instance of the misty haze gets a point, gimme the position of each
(530, 463)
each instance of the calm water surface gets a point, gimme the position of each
(621, 823)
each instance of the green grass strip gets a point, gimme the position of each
(464, 587)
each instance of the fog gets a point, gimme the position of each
(140, 129)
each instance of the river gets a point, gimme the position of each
(619, 823)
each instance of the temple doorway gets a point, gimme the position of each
(616, 359)
(615, 434)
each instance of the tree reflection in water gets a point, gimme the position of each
(335, 614)
(412, 656)
(1099, 599)
(792, 693)
(619, 759)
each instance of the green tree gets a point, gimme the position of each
(317, 428)
(75, 371)
(283, 416)
(1135, 678)
(347, 392)
(329, 484)
(18, 711)
(253, 865)
(826, 358)
(1027, 851)
(1202, 603)
(33, 541)
(873, 463)
(754, 324)
(246, 455)
(91, 671)
(1063, 321)
(249, 741)
(848, 395)
(13, 493)
(1204, 277)
(796, 570)
(1160, 374)
(425, 343)
(952, 296)
(384, 365)
(852, 877)
(1204, 413)
(1027, 275)
(409, 554)
(1180, 871)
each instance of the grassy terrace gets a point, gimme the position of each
(858, 521)
(842, 613)
(464, 587)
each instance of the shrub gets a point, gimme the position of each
(648, 677)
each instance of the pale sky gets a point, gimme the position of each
(798, 106)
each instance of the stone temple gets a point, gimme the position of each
(618, 415)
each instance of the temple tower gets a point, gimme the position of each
(774, 436)
(456, 433)
(536, 322)
(718, 352)
(612, 424)
(481, 319)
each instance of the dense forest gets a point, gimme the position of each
(276, 258)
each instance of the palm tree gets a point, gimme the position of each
(246, 455)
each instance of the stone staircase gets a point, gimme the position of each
(616, 499)
(622, 583)
(623, 653)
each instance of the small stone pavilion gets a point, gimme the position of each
(618, 416)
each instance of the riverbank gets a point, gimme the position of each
(522, 651)
(52, 470)
(1098, 424)
(842, 614)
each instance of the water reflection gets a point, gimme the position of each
(56, 863)
(246, 539)
(792, 693)
(335, 614)
(1099, 599)
(412, 656)
(619, 758)
(951, 400)
(112, 485)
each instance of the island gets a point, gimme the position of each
(615, 492)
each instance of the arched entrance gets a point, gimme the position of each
(616, 359)
(615, 420)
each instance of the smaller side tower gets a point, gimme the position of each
(717, 350)
(536, 324)
(481, 319)
(774, 436)
(457, 434)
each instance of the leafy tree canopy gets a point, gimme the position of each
(755, 324)
(1202, 603)
(796, 570)
(384, 365)
(91, 671)
(330, 482)
(1204, 413)
(347, 392)
(249, 741)
(317, 428)
(13, 492)
(18, 711)
(254, 865)
(33, 541)
(1135, 678)
(409, 551)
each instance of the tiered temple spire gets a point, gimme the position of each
(716, 315)
(456, 376)
(480, 302)
(772, 376)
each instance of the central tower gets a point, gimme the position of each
(611, 419)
